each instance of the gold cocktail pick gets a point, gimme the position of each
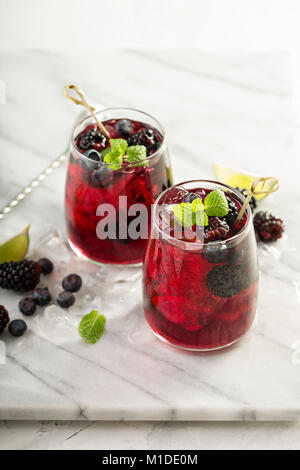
(83, 102)
(273, 186)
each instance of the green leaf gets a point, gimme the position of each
(91, 327)
(113, 160)
(118, 146)
(201, 218)
(216, 203)
(184, 214)
(136, 153)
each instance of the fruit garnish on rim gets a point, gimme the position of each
(240, 179)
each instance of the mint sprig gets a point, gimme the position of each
(197, 212)
(91, 327)
(216, 203)
(118, 150)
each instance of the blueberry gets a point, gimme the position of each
(92, 161)
(65, 299)
(102, 177)
(27, 306)
(124, 127)
(46, 265)
(189, 197)
(42, 296)
(72, 282)
(17, 327)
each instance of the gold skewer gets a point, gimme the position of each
(254, 192)
(83, 102)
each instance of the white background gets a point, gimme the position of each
(73, 25)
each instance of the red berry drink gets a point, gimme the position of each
(200, 280)
(93, 184)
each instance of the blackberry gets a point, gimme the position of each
(27, 306)
(217, 229)
(124, 127)
(215, 255)
(267, 227)
(4, 318)
(144, 137)
(252, 202)
(65, 299)
(17, 327)
(46, 265)
(91, 139)
(72, 282)
(20, 276)
(42, 296)
(228, 280)
(232, 213)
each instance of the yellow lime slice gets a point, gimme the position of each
(236, 178)
(16, 248)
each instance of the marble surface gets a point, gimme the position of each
(232, 108)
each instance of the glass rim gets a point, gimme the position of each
(161, 129)
(199, 243)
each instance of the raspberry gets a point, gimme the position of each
(267, 227)
(216, 230)
(20, 276)
(4, 318)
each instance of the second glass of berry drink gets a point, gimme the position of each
(200, 278)
(92, 184)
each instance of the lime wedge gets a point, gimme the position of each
(236, 178)
(16, 248)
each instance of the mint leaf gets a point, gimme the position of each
(114, 160)
(184, 214)
(216, 203)
(91, 327)
(118, 146)
(137, 153)
(200, 216)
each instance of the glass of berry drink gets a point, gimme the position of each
(200, 283)
(91, 183)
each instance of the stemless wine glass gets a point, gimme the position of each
(97, 194)
(199, 296)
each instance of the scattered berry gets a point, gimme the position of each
(46, 265)
(4, 318)
(72, 282)
(267, 227)
(217, 229)
(92, 139)
(124, 127)
(65, 299)
(102, 177)
(17, 327)
(42, 296)
(252, 202)
(20, 276)
(27, 306)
